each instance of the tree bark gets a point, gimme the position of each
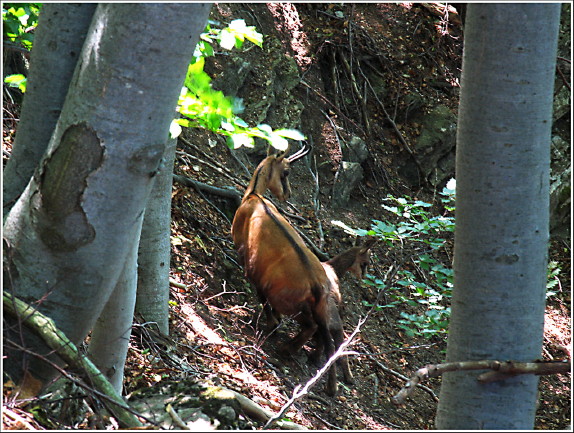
(58, 42)
(111, 334)
(77, 220)
(501, 239)
(152, 300)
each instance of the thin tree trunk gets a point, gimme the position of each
(501, 239)
(74, 226)
(48, 83)
(155, 247)
(111, 334)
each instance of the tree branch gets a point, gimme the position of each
(500, 370)
(45, 328)
(299, 392)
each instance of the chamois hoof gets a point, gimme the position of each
(330, 390)
(349, 380)
(315, 358)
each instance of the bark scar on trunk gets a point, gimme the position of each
(62, 222)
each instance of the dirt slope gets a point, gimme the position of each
(215, 316)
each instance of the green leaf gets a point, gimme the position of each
(266, 129)
(235, 141)
(293, 134)
(17, 80)
(343, 226)
(227, 39)
(174, 129)
(278, 142)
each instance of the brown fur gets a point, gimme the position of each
(288, 277)
(354, 260)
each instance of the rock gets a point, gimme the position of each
(435, 146)
(355, 151)
(348, 176)
(226, 414)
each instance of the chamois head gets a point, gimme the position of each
(354, 260)
(359, 267)
(272, 173)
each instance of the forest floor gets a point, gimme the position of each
(214, 311)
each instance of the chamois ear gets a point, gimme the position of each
(279, 154)
(369, 243)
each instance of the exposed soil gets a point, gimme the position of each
(413, 55)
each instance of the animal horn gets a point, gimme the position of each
(300, 153)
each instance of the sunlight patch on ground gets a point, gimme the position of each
(557, 329)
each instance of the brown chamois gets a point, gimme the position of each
(288, 277)
(354, 260)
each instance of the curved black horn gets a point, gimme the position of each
(300, 153)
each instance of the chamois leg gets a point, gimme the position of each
(272, 317)
(327, 343)
(336, 329)
(338, 335)
(308, 329)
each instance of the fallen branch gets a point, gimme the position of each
(500, 371)
(230, 193)
(45, 328)
(259, 413)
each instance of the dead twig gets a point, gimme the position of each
(500, 371)
(299, 391)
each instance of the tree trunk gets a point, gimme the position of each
(111, 335)
(501, 240)
(48, 83)
(69, 234)
(154, 249)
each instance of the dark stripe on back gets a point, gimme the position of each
(256, 176)
(302, 256)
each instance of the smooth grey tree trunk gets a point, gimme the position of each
(501, 239)
(67, 238)
(110, 337)
(58, 41)
(154, 250)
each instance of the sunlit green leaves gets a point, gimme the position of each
(204, 107)
(235, 34)
(16, 80)
(19, 19)
(232, 36)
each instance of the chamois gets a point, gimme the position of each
(289, 278)
(354, 260)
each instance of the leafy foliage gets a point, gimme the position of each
(18, 21)
(204, 107)
(552, 279)
(200, 105)
(430, 287)
(429, 284)
(17, 80)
